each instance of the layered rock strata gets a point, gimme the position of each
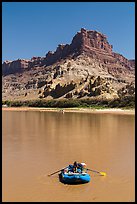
(86, 68)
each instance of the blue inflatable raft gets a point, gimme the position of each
(74, 178)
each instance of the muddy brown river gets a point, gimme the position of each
(35, 144)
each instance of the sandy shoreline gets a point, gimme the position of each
(80, 110)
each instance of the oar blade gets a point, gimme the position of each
(103, 173)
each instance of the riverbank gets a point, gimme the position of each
(80, 110)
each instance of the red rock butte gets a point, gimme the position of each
(69, 70)
(88, 42)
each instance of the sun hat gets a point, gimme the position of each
(83, 164)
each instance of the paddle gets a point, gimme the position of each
(57, 171)
(102, 173)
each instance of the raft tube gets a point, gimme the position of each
(74, 178)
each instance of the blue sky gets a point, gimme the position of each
(34, 28)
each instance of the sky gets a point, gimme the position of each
(34, 28)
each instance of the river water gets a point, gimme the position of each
(35, 144)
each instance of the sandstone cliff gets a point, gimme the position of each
(87, 67)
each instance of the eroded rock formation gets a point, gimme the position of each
(87, 67)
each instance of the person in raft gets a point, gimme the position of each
(79, 167)
(83, 167)
(75, 166)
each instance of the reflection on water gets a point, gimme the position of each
(36, 144)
